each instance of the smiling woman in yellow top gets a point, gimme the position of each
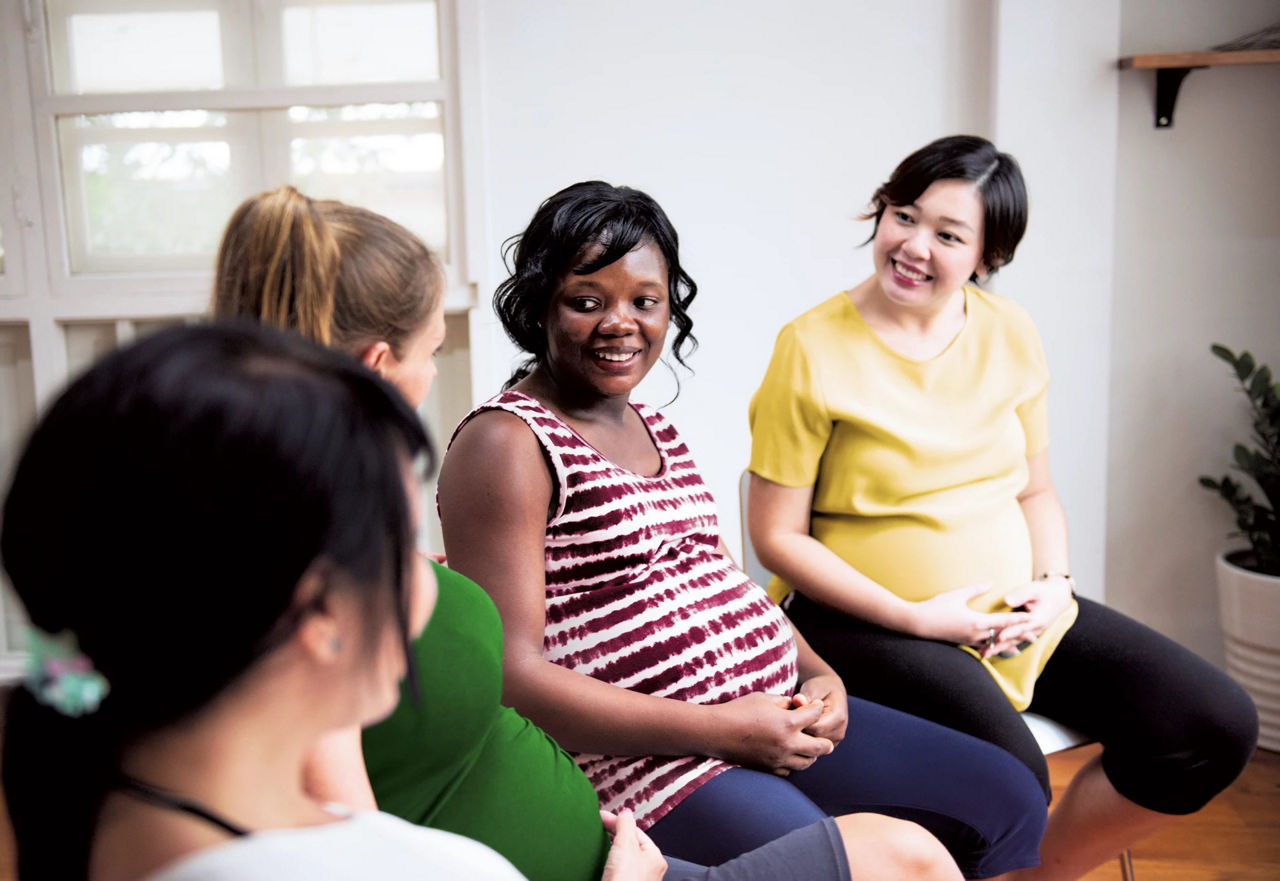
(933, 502)
(900, 487)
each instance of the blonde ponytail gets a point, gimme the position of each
(278, 265)
(337, 274)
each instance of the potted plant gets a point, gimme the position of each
(1249, 578)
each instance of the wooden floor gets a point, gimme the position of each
(1235, 838)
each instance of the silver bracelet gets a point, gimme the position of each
(1065, 576)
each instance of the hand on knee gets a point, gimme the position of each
(884, 848)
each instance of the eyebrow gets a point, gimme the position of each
(580, 282)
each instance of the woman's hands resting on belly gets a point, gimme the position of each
(948, 617)
(779, 526)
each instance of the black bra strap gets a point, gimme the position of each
(164, 798)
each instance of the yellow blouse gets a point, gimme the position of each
(916, 465)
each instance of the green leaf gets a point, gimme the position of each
(1208, 483)
(1244, 366)
(1243, 458)
(1261, 382)
(1224, 353)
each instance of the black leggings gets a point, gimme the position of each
(1175, 730)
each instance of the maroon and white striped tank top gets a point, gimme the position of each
(637, 595)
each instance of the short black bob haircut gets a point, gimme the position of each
(164, 512)
(969, 158)
(556, 242)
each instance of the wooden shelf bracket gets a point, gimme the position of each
(1171, 69)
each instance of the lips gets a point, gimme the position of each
(614, 356)
(910, 273)
(615, 359)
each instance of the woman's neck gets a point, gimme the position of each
(574, 403)
(242, 757)
(920, 332)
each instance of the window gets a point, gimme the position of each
(138, 125)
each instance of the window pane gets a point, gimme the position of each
(151, 190)
(385, 157)
(86, 343)
(97, 49)
(335, 42)
(17, 411)
(1, 250)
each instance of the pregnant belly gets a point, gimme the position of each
(918, 560)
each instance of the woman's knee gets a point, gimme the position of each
(1198, 752)
(881, 848)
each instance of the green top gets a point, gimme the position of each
(457, 759)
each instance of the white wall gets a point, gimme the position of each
(1055, 82)
(763, 128)
(1197, 261)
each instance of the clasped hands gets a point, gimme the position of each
(782, 734)
(949, 618)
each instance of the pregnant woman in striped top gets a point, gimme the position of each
(631, 636)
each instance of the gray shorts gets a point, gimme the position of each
(814, 853)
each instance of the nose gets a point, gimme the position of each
(617, 320)
(915, 244)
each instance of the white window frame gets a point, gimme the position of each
(37, 288)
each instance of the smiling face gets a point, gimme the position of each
(605, 330)
(924, 252)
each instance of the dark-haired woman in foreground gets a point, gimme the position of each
(212, 531)
(631, 636)
(900, 486)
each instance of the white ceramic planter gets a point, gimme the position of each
(1249, 604)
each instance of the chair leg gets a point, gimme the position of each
(1126, 865)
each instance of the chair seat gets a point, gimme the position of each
(1052, 736)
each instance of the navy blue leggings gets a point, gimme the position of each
(979, 801)
(1175, 730)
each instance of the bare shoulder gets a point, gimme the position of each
(494, 456)
(493, 445)
(494, 432)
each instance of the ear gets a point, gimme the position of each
(377, 357)
(320, 632)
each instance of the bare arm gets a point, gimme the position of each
(821, 685)
(778, 520)
(495, 490)
(1047, 526)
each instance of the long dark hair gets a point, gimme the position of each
(564, 227)
(970, 158)
(164, 511)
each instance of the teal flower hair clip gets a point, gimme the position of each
(60, 675)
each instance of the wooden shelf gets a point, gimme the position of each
(1199, 59)
(1172, 68)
